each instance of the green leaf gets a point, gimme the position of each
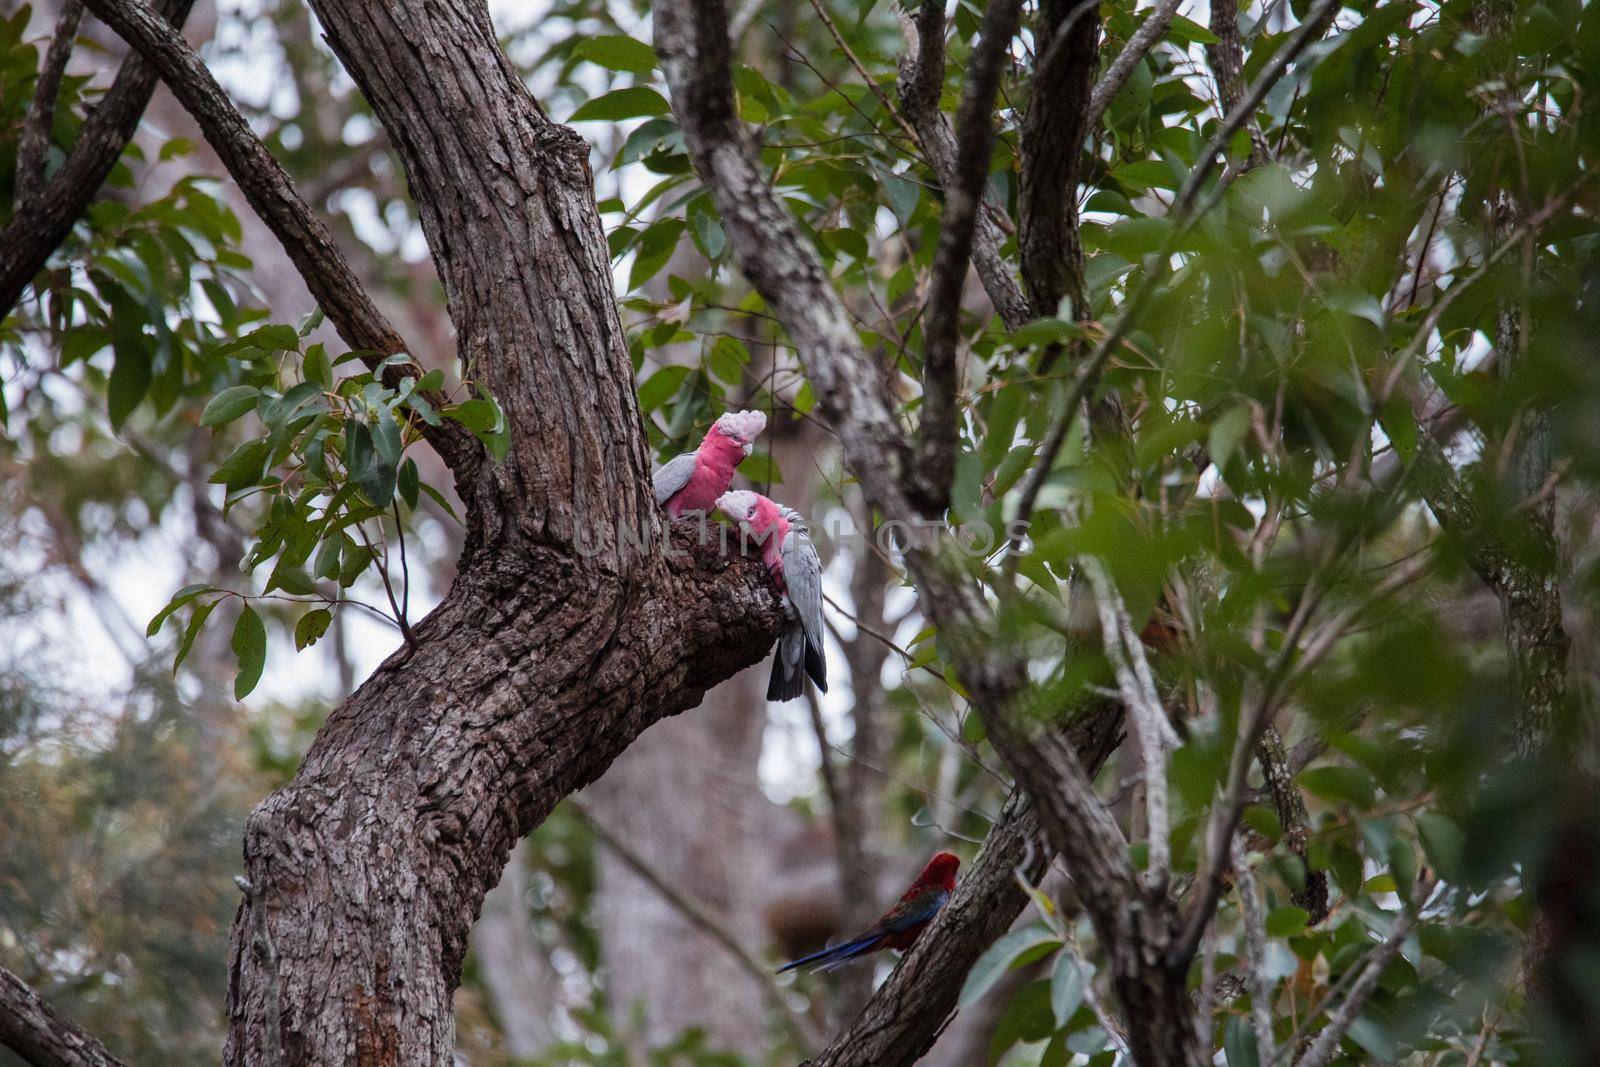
(229, 405)
(1026, 1018)
(661, 386)
(1345, 785)
(290, 578)
(1400, 424)
(312, 625)
(1001, 956)
(175, 149)
(367, 469)
(250, 649)
(271, 338)
(357, 558)
(130, 376)
(1443, 844)
(1189, 31)
(243, 467)
(1046, 331)
(179, 599)
(315, 366)
(309, 321)
(615, 52)
(1287, 921)
(1227, 434)
(638, 101)
(478, 415)
(197, 621)
(1067, 982)
(409, 483)
(387, 439)
(1239, 1043)
(761, 469)
(438, 498)
(327, 562)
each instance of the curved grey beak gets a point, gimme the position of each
(749, 447)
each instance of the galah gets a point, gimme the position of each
(900, 925)
(693, 481)
(792, 561)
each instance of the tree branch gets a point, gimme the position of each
(691, 38)
(1316, 21)
(1296, 821)
(1121, 69)
(1255, 937)
(305, 239)
(920, 83)
(1137, 686)
(34, 143)
(1183, 215)
(32, 235)
(963, 196)
(1226, 56)
(1051, 146)
(42, 1036)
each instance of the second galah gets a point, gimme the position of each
(792, 560)
(901, 924)
(693, 481)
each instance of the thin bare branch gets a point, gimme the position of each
(305, 239)
(1290, 806)
(1137, 685)
(866, 79)
(1255, 933)
(34, 143)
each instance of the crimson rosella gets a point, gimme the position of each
(693, 481)
(792, 561)
(902, 923)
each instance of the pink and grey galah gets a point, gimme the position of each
(693, 481)
(792, 560)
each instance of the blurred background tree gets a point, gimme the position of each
(1354, 411)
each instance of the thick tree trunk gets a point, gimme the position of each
(373, 862)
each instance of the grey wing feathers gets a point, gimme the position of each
(802, 574)
(672, 476)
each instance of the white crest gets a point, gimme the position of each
(738, 503)
(743, 426)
